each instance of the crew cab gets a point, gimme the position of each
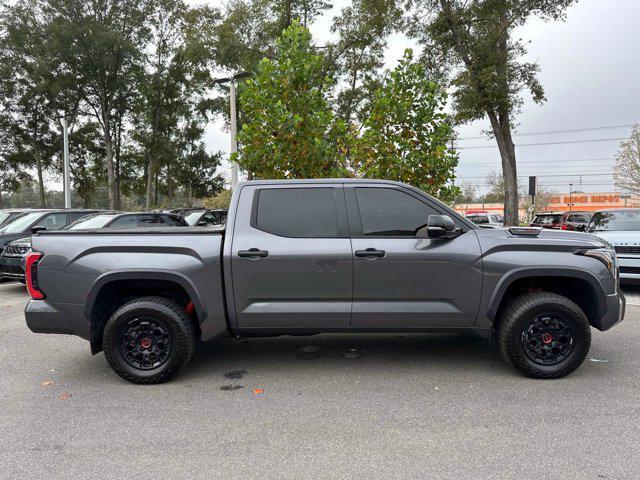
(311, 256)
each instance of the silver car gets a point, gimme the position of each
(621, 228)
(486, 220)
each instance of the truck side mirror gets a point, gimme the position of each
(439, 226)
(37, 228)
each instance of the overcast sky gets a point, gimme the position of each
(590, 69)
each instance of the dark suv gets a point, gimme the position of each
(576, 221)
(15, 237)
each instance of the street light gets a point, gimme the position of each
(233, 120)
(570, 196)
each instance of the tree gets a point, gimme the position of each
(28, 110)
(496, 192)
(468, 194)
(98, 49)
(626, 172)
(474, 38)
(407, 134)
(289, 128)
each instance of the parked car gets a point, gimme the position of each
(577, 221)
(486, 220)
(184, 211)
(206, 218)
(119, 220)
(18, 231)
(312, 256)
(9, 215)
(621, 228)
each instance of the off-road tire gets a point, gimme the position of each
(514, 320)
(172, 316)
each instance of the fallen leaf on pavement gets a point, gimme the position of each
(46, 383)
(64, 396)
(258, 391)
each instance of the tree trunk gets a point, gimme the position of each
(151, 175)
(43, 199)
(108, 143)
(118, 149)
(502, 130)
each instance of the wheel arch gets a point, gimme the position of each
(563, 280)
(99, 305)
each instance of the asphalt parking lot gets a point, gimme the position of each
(329, 406)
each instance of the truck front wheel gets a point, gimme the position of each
(149, 340)
(543, 335)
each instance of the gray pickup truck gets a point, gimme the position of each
(307, 257)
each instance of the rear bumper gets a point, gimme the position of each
(43, 316)
(616, 305)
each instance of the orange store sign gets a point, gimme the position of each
(586, 199)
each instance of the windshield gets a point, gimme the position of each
(93, 221)
(547, 219)
(21, 224)
(193, 217)
(620, 221)
(4, 216)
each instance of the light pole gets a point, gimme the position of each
(65, 173)
(570, 196)
(233, 120)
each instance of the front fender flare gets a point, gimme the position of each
(525, 272)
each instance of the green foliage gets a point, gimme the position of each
(407, 133)
(222, 200)
(290, 130)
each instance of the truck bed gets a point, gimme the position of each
(78, 265)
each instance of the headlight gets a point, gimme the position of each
(605, 255)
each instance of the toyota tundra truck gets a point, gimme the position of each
(303, 257)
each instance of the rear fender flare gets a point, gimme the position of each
(170, 276)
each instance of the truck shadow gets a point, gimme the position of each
(377, 354)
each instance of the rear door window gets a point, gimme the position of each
(297, 212)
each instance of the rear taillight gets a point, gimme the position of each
(31, 273)
(564, 227)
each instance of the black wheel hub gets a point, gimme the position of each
(145, 343)
(548, 339)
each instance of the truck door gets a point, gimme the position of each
(291, 257)
(404, 281)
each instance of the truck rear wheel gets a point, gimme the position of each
(543, 335)
(149, 340)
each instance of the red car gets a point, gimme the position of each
(577, 221)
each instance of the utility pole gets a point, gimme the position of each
(233, 120)
(65, 173)
(570, 196)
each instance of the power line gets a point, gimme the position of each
(553, 132)
(566, 142)
(521, 162)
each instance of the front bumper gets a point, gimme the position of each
(12, 267)
(616, 306)
(629, 268)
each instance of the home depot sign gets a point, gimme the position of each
(582, 198)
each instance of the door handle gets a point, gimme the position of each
(370, 252)
(253, 253)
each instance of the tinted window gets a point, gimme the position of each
(478, 219)
(128, 221)
(152, 221)
(89, 222)
(175, 221)
(55, 221)
(577, 218)
(391, 212)
(621, 221)
(547, 219)
(298, 212)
